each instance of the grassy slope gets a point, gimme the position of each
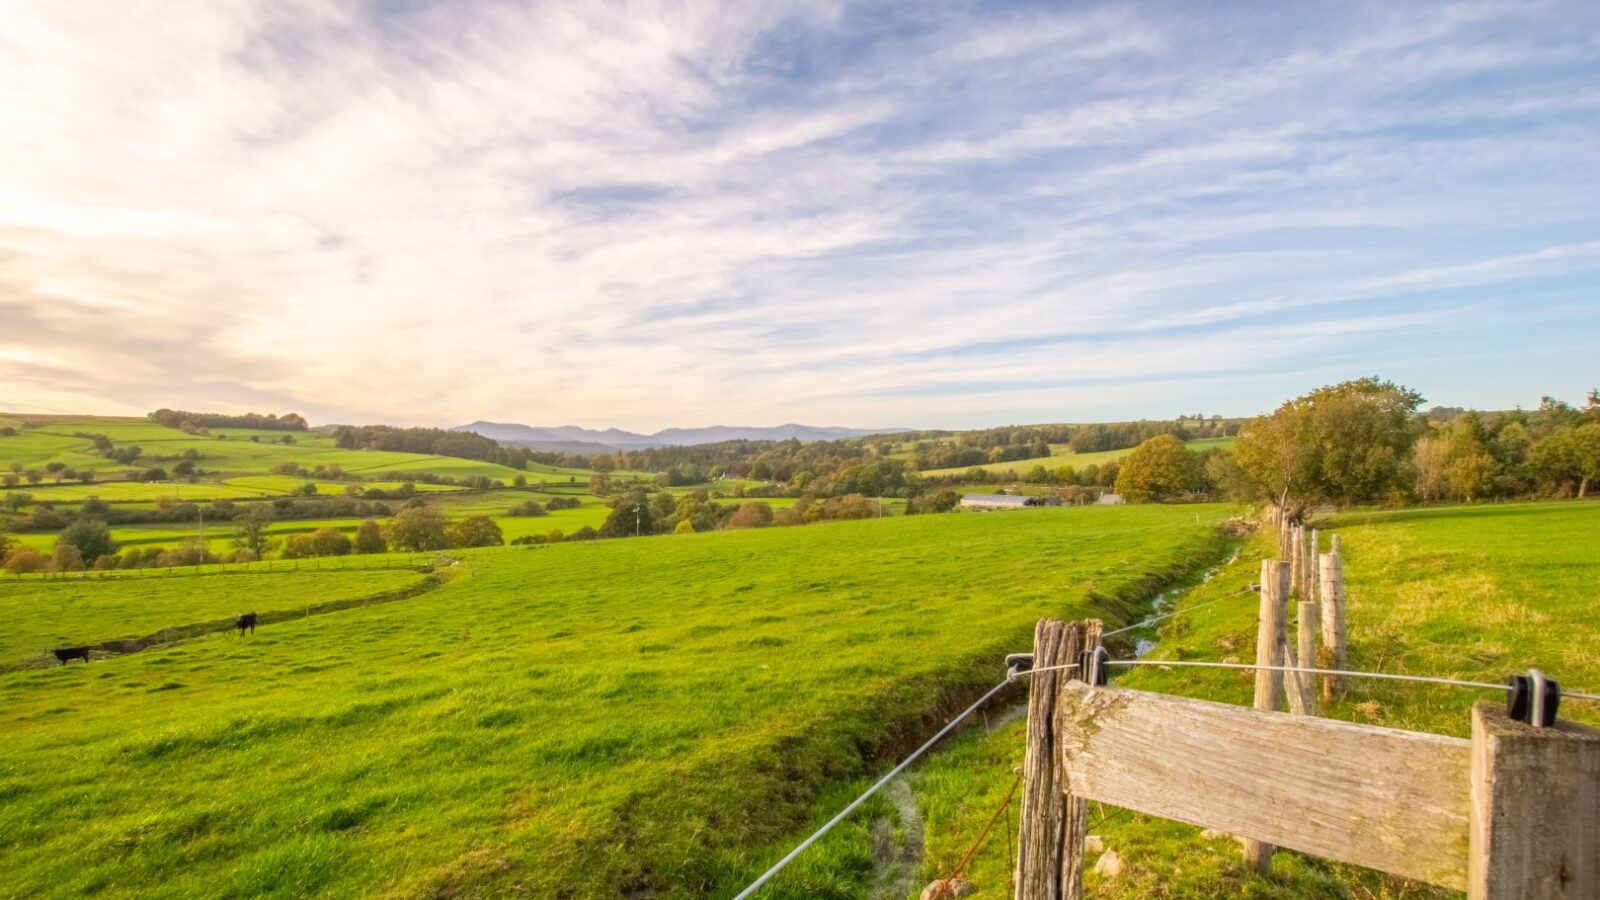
(1465, 592)
(580, 720)
(40, 614)
(1065, 457)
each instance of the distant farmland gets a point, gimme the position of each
(1062, 456)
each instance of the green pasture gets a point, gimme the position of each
(655, 717)
(120, 491)
(1065, 457)
(1466, 592)
(289, 484)
(41, 614)
(33, 450)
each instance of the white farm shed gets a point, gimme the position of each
(997, 501)
(1111, 500)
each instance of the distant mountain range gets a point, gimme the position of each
(572, 439)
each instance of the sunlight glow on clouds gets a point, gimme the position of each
(684, 214)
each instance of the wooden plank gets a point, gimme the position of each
(1535, 809)
(1391, 800)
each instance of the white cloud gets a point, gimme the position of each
(650, 215)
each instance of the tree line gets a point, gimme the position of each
(1365, 441)
(192, 422)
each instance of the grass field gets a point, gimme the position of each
(654, 717)
(1065, 457)
(123, 491)
(68, 612)
(1474, 593)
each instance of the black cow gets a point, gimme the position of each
(67, 654)
(248, 620)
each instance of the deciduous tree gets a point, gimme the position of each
(1160, 467)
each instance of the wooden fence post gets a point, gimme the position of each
(1040, 838)
(1308, 621)
(1308, 572)
(1076, 818)
(1050, 843)
(1292, 556)
(1335, 653)
(1535, 825)
(1269, 684)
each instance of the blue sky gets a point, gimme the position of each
(887, 214)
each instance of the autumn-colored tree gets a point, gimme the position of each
(1432, 463)
(22, 560)
(1160, 467)
(1471, 466)
(684, 526)
(599, 485)
(476, 531)
(754, 514)
(66, 559)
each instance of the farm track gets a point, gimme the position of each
(179, 633)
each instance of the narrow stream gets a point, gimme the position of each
(1146, 638)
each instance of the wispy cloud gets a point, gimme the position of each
(675, 214)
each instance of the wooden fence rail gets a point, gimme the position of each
(1512, 813)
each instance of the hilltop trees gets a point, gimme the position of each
(1345, 443)
(177, 418)
(1160, 467)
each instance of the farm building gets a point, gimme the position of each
(1111, 500)
(998, 501)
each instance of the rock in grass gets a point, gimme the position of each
(1109, 865)
(1094, 843)
(947, 889)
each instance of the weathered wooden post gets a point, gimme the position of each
(1076, 820)
(1307, 622)
(1535, 824)
(1335, 653)
(1292, 555)
(1043, 813)
(1053, 825)
(1269, 684)
(1308, 572)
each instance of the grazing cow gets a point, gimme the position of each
(67, 654)
(248, 620)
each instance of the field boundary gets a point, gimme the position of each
(179, 633)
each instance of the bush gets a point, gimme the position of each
(22, 560)
(528, 508)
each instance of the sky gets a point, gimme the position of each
(927, 215)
